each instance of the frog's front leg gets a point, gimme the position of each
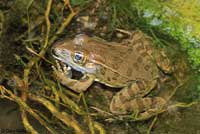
(131, 99)
(81, 85)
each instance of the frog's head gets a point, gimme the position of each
(75, 54)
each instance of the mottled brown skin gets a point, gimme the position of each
(130, 65)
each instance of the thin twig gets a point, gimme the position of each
(88, 117)
(152, 124)
(34, 60)
(28, 69)
(99, 128)
(63, 116)
(9, 95)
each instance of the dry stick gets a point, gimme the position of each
(27, 69)
(63, 116)
(66, 100)
(88, 117)
(26, 123)
(100, 128)
(36, 59)
(152, 124)
(9, 95)
(63, 26)
(77, 109)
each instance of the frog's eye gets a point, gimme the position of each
(79, 57)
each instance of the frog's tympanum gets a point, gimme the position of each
(131, 65)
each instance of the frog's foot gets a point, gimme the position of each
(62, 74)
(131, 98)
(163, 62)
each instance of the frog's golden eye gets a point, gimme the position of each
(79, 57)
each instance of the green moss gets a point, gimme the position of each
(176, 18)
(194, 55)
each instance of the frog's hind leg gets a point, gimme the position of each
(130, 99)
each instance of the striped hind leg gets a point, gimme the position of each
(130, 99)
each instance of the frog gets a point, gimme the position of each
(132, 65)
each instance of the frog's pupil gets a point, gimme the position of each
(78, 56)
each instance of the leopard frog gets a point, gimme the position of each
(131, 65)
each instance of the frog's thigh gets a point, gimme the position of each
(76, 85)
(127, 94)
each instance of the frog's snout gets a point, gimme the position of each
(60, 54)
(55, 51)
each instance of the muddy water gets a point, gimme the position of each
(9, 115)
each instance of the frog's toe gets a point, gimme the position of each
(55, 70)
(58, 66)
(67, 71)
(62, 69)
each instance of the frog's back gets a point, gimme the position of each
(121, 64)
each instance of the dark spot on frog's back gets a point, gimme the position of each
(139, 59)
(147, 67)
(115, 76)
(136, 67)
(115, 66)
(103, 71)
(129, 72)
(118, 59)
(108, 78)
